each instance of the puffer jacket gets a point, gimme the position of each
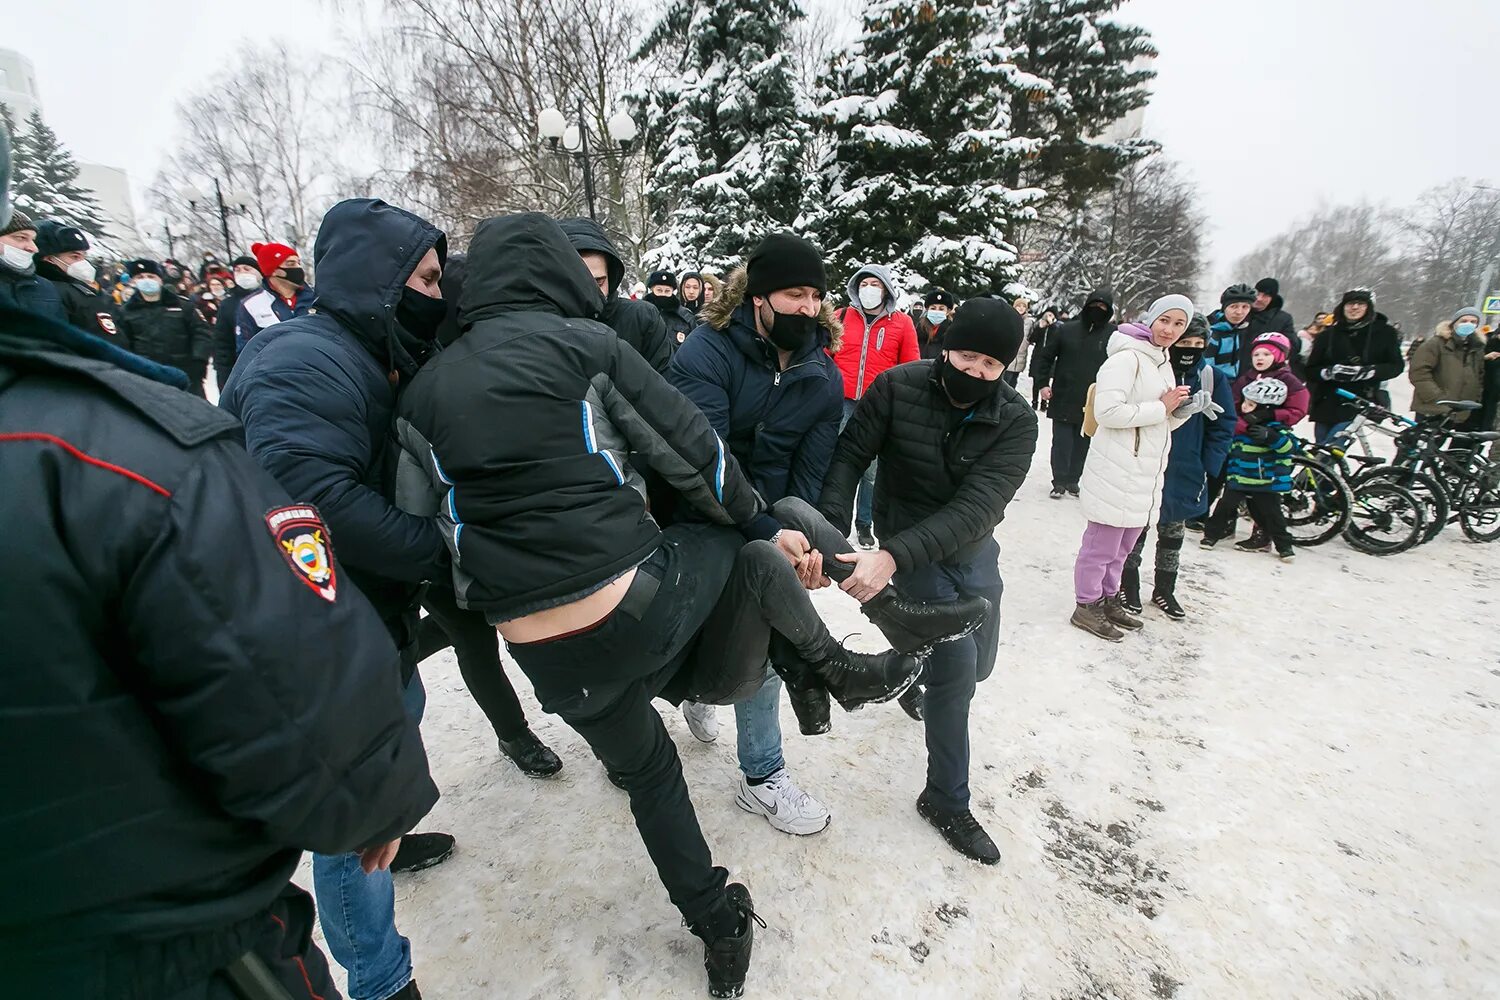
(30, 293)
(1070, 359)
(639, 324)
(515, 438)
(1446, 366)
(945, 477)
(1373, 343)
(872, 345)
(1127, 461)
(780, 424)
(1199, 448)
(317, 395)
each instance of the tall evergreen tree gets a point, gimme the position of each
(1089, 73)
(921, 110)
(725, 129)
(45, 177)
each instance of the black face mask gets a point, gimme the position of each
(790, 332)
(966, 389)
(418, 314)
(663, 301)
(295, 276)
(1185, 359)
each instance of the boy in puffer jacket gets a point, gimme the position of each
(1270, 400)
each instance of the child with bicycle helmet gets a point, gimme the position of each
(1270, 400)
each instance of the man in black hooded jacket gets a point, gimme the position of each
(193, 696)
(1066, 366)
(639, 324)
(317, 396)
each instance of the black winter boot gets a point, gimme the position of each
(1165, 598)
(860, 679)
(1130, 589)
(916, 626)
(726, 958)
(805, 690)
(534, 758)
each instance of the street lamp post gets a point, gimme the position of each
(236, 204)
(576, 143)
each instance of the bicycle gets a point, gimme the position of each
(1376, 516)
(1370, 468)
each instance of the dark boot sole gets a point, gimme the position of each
(431, 862)
(898, 692)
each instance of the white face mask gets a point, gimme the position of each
(870, 297)
(82, 270)
(247, 281)
(15, 257)
(148, 286)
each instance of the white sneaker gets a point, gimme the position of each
(784, 805)
(702, 720)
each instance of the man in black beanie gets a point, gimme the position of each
(954, 443)
(247, 281)
(61, 258)
(1268, 316)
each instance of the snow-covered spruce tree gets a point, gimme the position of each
(726, 129)
(1096, 71)
(920, 106)
(45, 182)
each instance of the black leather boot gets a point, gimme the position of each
(726, 958)
(914, 626)
(805, 690)
(860, 679)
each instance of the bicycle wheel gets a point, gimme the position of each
(1317, 508)
(1429, 491)
(1384, 519)
(1479, 510)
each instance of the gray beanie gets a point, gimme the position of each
(1467, 311)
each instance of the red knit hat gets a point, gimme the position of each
(270, 255)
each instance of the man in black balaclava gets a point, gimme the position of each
(1066, 366)
(661, 292)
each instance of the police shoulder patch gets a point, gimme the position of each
(106, 323)
(302, 539)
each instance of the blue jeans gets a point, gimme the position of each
(954, 669)
(358, 912)
(759, 724)
(1322, 432)
(864, 498)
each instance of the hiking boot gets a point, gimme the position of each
(422, 850)
(1114, 610)
(726, 959)
(784, 805)
(865, 536)
(1209, 541)
(1287, 554)
(859, 679)
(531, 755)
(1091, 618)
(804, 689)
(1257, 542)
(1130, 590)
(1195, 524)
(913, 701)
(914, 626)
(961, 830)
(702, 721)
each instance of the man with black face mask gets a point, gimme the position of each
(1065, 367)
(662, 293)
(317, 395)
(954, 443)
(285, 293)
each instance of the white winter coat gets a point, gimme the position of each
(1127, 460)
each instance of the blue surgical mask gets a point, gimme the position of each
(1465, 329)
(148, 286)
(936, 317)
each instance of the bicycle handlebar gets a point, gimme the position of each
(1360, 403)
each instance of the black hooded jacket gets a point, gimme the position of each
(1372, 344)
(639, 324)
(183, 712)
(85, 306)
(1071, 357)
(317, 395)
(515, 438)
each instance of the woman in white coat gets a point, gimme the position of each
(1136, 399)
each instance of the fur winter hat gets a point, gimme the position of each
(53, 238)
(661, 278)
(938, 297)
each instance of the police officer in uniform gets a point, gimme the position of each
(61, 258)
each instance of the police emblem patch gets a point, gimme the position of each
(106, 323)
(302, 539)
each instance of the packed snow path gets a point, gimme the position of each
(1293, 793)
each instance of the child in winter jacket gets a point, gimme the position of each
(1199, 448)
(1135, 403)
(1269, 400)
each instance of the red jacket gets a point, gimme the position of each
(892, 341)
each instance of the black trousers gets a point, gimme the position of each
(1265, 511)
(477, 646)
(703, 634)
(1069, 449)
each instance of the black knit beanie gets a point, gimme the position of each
(785, 260)
(987, 326)
(245, 259)
(1268, 286)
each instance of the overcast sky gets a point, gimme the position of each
(1273, 105)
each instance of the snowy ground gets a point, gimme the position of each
(1291, 794)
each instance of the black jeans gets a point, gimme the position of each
(703, 634)
(477, 646)
(1265, 511)
(1069, 449)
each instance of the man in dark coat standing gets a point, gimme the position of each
(1360, 351)
(661, 292)
(162, 326)
(1067, 365)
(61, 259)
(317, 395)
(193, 693)
(20, 288)
(245, 280)
(1267, 315)
(639, 324)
